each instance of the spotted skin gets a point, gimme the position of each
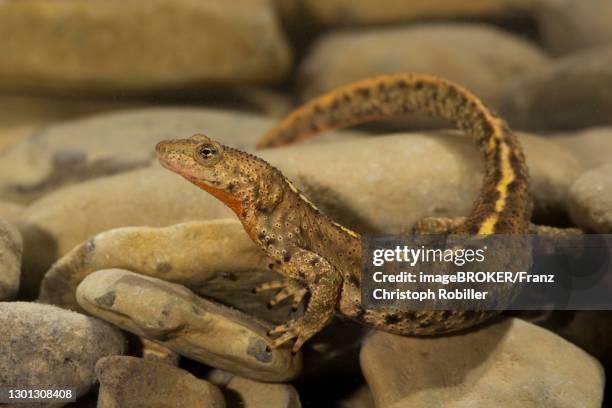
(318, 254)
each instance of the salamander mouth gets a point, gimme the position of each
(165, 151)
(163, 160)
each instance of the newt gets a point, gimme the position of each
(322, 258)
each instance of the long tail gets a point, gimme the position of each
(503, 206)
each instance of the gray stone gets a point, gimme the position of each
(45, 346)
(572, 92)
(568, 25)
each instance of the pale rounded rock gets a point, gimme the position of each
(215, 258)
(507, 363)
(194, 327)
(590, 200)
(570, 93)
(419, 175)
(9, 210)
(477, 56)
(567, 25)
(53, 347)
(11, 248)
(592, 147)
(552, 170)
(75, 44)
(135, 382)
(342, 12)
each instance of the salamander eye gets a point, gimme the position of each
(207, 153)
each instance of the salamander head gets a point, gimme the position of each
(234, 177)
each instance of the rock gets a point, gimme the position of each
(111, 143)
(507, 363)
(588, 329)
(547, 98)
(11, 248)
(590, 200)
(478, 56)
(256, 99)
(212, 42)
(342, 12)
(156, 352)
(173, 316)
(45, 346)
(360, 398)
(419, 175)
(218, 377)
(567, 25)
(214, 258)
(550, 179)
(10, 211)
(135, 382)
(592, 147)
(10, 135)
(21, 116)
(244, 393)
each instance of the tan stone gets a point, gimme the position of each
(371, 11)
(592, 147)
(552, 170)
(194, 327)
(590, 200)
(510, 363)
(214, 258)
(570, 93)
(164, 44)
(10, 211)
(11, 248)
(135, 382)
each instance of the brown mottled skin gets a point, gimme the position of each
(319, 256)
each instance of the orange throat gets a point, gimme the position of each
(225, 197)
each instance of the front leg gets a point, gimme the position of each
(324, 283)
